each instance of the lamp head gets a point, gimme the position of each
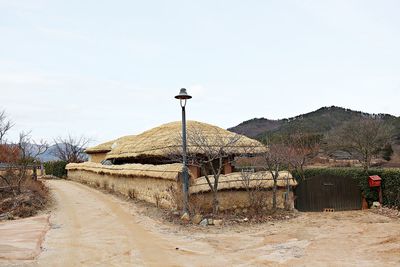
(183, 95)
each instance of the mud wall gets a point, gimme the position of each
(236, 199)
(167, 193)
(153, 190)
(97, 157)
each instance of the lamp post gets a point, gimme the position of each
(183, 97)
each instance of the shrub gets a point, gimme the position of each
(56, 168)
(390, 181)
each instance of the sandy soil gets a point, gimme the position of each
(90, 228)
(21, 239)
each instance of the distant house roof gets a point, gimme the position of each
(107, 146)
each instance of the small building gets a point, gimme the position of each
(98, 153)
(147, 166)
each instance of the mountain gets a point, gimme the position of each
(49, 155)
(51, 152)
(318, 122)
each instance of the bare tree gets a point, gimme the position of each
(301, 148)
(25, 156)
(30, 150)
(210, 152)
(252, 182)
(275, 159)
(364, 139)
(5, 126)
(8, 153)
(71, 149)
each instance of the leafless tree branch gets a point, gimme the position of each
(71, 149)
(5, 126)
(364, 139)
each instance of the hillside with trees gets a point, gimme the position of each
(318, 122)
(342, 133)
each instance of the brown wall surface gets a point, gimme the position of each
(228, 168)
(97, 157)
(232, 199)
(156, 191)
(195, 171)
(166, 193)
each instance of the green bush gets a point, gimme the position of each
(390, 182)
(56, 168)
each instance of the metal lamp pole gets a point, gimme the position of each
(183, 97)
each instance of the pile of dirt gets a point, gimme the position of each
(234, 217)
(388, 212)
(32, 197)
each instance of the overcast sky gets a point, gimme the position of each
(110, 68)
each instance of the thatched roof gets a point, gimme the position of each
(235, 181)
(107, 146)
(166, 171)
(101, 148)
(160, 141)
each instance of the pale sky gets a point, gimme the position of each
(110, 68)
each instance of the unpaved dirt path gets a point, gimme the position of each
(91, 228)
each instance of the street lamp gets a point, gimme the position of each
(183, 97)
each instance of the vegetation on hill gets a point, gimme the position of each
(318, 122)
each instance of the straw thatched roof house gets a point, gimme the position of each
(148, 165)
(157, 145)
(98, 153)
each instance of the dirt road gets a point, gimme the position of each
(90, 228)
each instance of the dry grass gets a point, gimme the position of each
(107, 146)
(34, 197)
(166, 171)
(234, 181)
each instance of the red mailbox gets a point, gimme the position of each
(374, 181)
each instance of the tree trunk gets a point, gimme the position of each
(274, 191)
(34, 174)
(367, 160)
(215, 203)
